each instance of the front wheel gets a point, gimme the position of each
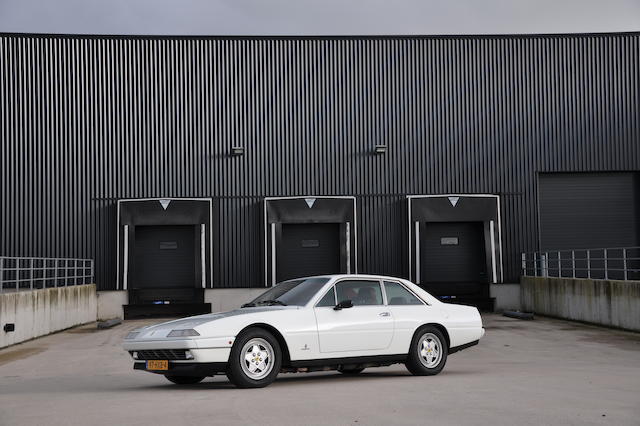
(184, 380)
(428, 352)
(255, 359)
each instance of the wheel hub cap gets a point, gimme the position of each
(430, 350)
(256, 358)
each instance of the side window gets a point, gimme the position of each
(329, 299)
(398, 295)
(361, 293)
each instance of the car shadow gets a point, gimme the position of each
(285, 379)
(289, 379)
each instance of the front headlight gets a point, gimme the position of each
(183, 333)
(132, 335)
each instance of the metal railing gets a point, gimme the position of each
(29, 273)
(612, 263)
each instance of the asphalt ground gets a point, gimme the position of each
(541, 372)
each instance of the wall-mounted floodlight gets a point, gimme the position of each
(381, 149)
(237, 150)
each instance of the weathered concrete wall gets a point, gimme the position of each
(221, 299)
(110, 304)
(605, 302)
(40, 312)
(227, 299)
(507, 296)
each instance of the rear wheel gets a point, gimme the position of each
(255, 359)
(184, 380)
(428, 352)
(351, 371)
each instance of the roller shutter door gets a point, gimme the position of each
(308, 249)
(165, 256)
(453, 258)
(588, 210)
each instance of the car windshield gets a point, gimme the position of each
(294, 292)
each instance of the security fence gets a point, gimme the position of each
(28, 273)
(613, 263)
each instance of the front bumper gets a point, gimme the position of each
(179, 368)
(204, 350)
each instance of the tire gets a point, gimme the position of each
(427, 353)
(351, 371)
(184, 380)
(255, 359)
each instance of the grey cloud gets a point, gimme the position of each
(325, 17)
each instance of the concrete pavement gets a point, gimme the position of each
(542, 372)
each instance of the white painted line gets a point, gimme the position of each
(348, 247)
(493, 251)
(409, 222)
(125, 273)
(417, 233)
(273, 254)
(203, 257)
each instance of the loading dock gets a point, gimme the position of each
(165, 247)
(309, 235)
(165, 256)
(455, 248)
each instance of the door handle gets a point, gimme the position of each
(384, 314)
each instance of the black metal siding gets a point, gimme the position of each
(85, 121)
(588, 210)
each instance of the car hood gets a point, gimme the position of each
(162, 329)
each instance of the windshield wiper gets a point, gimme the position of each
(263, 302)
(272, 302)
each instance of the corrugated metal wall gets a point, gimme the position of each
(85, 121)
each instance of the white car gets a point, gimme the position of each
(335, 322)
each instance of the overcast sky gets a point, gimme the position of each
(317, 17)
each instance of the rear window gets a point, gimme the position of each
(398, 295)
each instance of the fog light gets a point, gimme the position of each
(134, 355)
(188, 355)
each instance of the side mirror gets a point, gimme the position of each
(343, 305)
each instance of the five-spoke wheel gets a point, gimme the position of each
(255, 359)
(428, 352)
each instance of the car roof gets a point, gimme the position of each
(339, 276)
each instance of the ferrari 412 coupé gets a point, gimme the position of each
(336, 322)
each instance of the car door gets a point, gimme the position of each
(408, 311)
(367, 326)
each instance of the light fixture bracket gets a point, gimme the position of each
(380, 149)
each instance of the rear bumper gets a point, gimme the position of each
(198, 369)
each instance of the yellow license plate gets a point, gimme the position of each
(158, 365)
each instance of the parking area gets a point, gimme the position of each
(523, 372)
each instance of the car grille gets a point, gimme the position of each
(169, 354)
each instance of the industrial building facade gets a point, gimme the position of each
(213, 162)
